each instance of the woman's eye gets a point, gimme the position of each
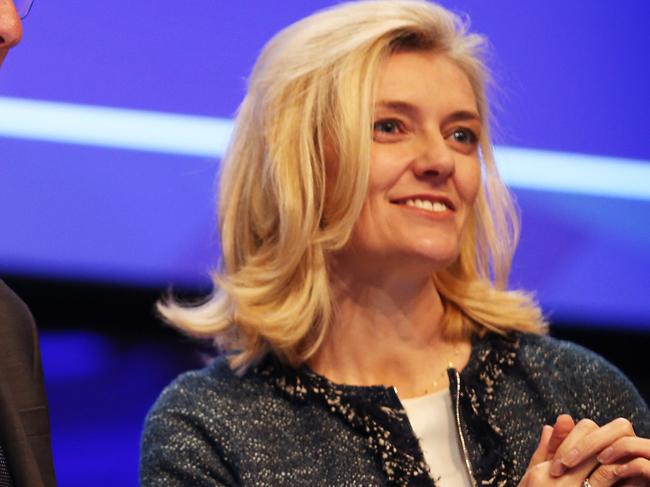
(464, 136)
(387, 126)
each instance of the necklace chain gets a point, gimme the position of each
(442, 374)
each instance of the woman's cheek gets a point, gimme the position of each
(468, 182)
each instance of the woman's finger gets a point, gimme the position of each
(633, 473)
(628, 446)
(594, 442)
(605, 476)
(542, 447)
(540, 475)
(583, 428)
(563, 426)
(639, 467)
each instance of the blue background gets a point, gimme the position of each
(569, 76)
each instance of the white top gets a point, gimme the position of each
(433, 423)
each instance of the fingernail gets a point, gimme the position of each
(605, 455)
(557, 468)
(570, 457)
(620, 469)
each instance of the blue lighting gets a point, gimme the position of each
(574, 173)
(191, 135)
(114, 127)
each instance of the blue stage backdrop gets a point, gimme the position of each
(113, 117)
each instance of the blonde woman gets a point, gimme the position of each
(368, 336)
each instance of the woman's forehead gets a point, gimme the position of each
(410, 79)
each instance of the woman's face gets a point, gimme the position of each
(425, 170)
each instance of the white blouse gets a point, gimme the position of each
(433, 423)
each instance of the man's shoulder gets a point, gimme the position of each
(12, 308)
(17, 328)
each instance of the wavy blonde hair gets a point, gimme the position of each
(285, 207)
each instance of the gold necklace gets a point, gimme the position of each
(442, 374)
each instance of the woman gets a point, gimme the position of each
(366, 238)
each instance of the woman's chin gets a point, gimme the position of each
(437, 257)
(425, 257)
(418, 264)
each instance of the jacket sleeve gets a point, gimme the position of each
(177, 449)
(620, 398)
(599, 390)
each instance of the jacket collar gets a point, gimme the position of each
(375, 411)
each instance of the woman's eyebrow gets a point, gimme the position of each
(463, 116)
(403, 107)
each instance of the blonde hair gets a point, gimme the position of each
(283, 210)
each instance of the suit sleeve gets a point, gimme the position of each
(25, 428)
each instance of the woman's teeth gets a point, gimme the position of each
(435, 206)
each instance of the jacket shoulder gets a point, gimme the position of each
(215, 387)
(543, 348)
(198, 424)
(18, 331)
(591, 385)
(556, 355)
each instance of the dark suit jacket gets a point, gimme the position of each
(24, 422)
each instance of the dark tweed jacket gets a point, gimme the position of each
(279, 426)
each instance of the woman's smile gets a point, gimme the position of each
(429, 206)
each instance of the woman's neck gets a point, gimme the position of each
(390, 335)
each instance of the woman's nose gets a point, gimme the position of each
(435, 158)
(10, 27)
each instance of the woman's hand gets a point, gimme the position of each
(552, 438)
(609, 455)
(620, 454)
(540, 475)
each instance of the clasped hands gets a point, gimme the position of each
(609, 455)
